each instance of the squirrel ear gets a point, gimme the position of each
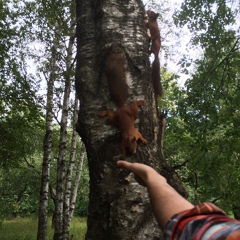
(132, 139)
(157, 15)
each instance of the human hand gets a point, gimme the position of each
(144, 175)
(164, 199)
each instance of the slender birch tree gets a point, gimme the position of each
(60, 21)
(69, 175)
(49, 28)
(61, 171)
(47, 151)
(76, 183)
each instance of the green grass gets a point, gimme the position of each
(26, 229)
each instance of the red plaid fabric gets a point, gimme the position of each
(203, 222)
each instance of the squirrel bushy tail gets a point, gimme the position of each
(115, 72)
(124, 116)
(156, 79)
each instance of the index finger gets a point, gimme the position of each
(137, 168)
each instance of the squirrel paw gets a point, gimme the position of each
(102, 114)
(141, 102)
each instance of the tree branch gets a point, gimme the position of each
(180, 165)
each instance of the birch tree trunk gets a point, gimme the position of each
(76, 183)
(58, 234)
(68, 187)
(47, 150)
(119, 208)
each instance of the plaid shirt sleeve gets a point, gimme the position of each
(203, 222)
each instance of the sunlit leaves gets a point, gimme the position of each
(211, 107)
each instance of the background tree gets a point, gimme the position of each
(34, 33)
(47, 151)
(60, 33)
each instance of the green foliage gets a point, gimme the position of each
(206, 19)
(19, 192)
(202, 138)
(83, 193)
(20, 111)
(177, 141)
(18, 141)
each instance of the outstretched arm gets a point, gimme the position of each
(164, 199)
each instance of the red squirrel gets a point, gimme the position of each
(124, 116)
(152, 25)
(154, 35)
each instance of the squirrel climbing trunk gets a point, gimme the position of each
(155, 37)
(152, 25)
(124, 116)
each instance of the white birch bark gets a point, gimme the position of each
(68, 187)
(58, 234)
(47, 150)
(76, 182)
(118, 207)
